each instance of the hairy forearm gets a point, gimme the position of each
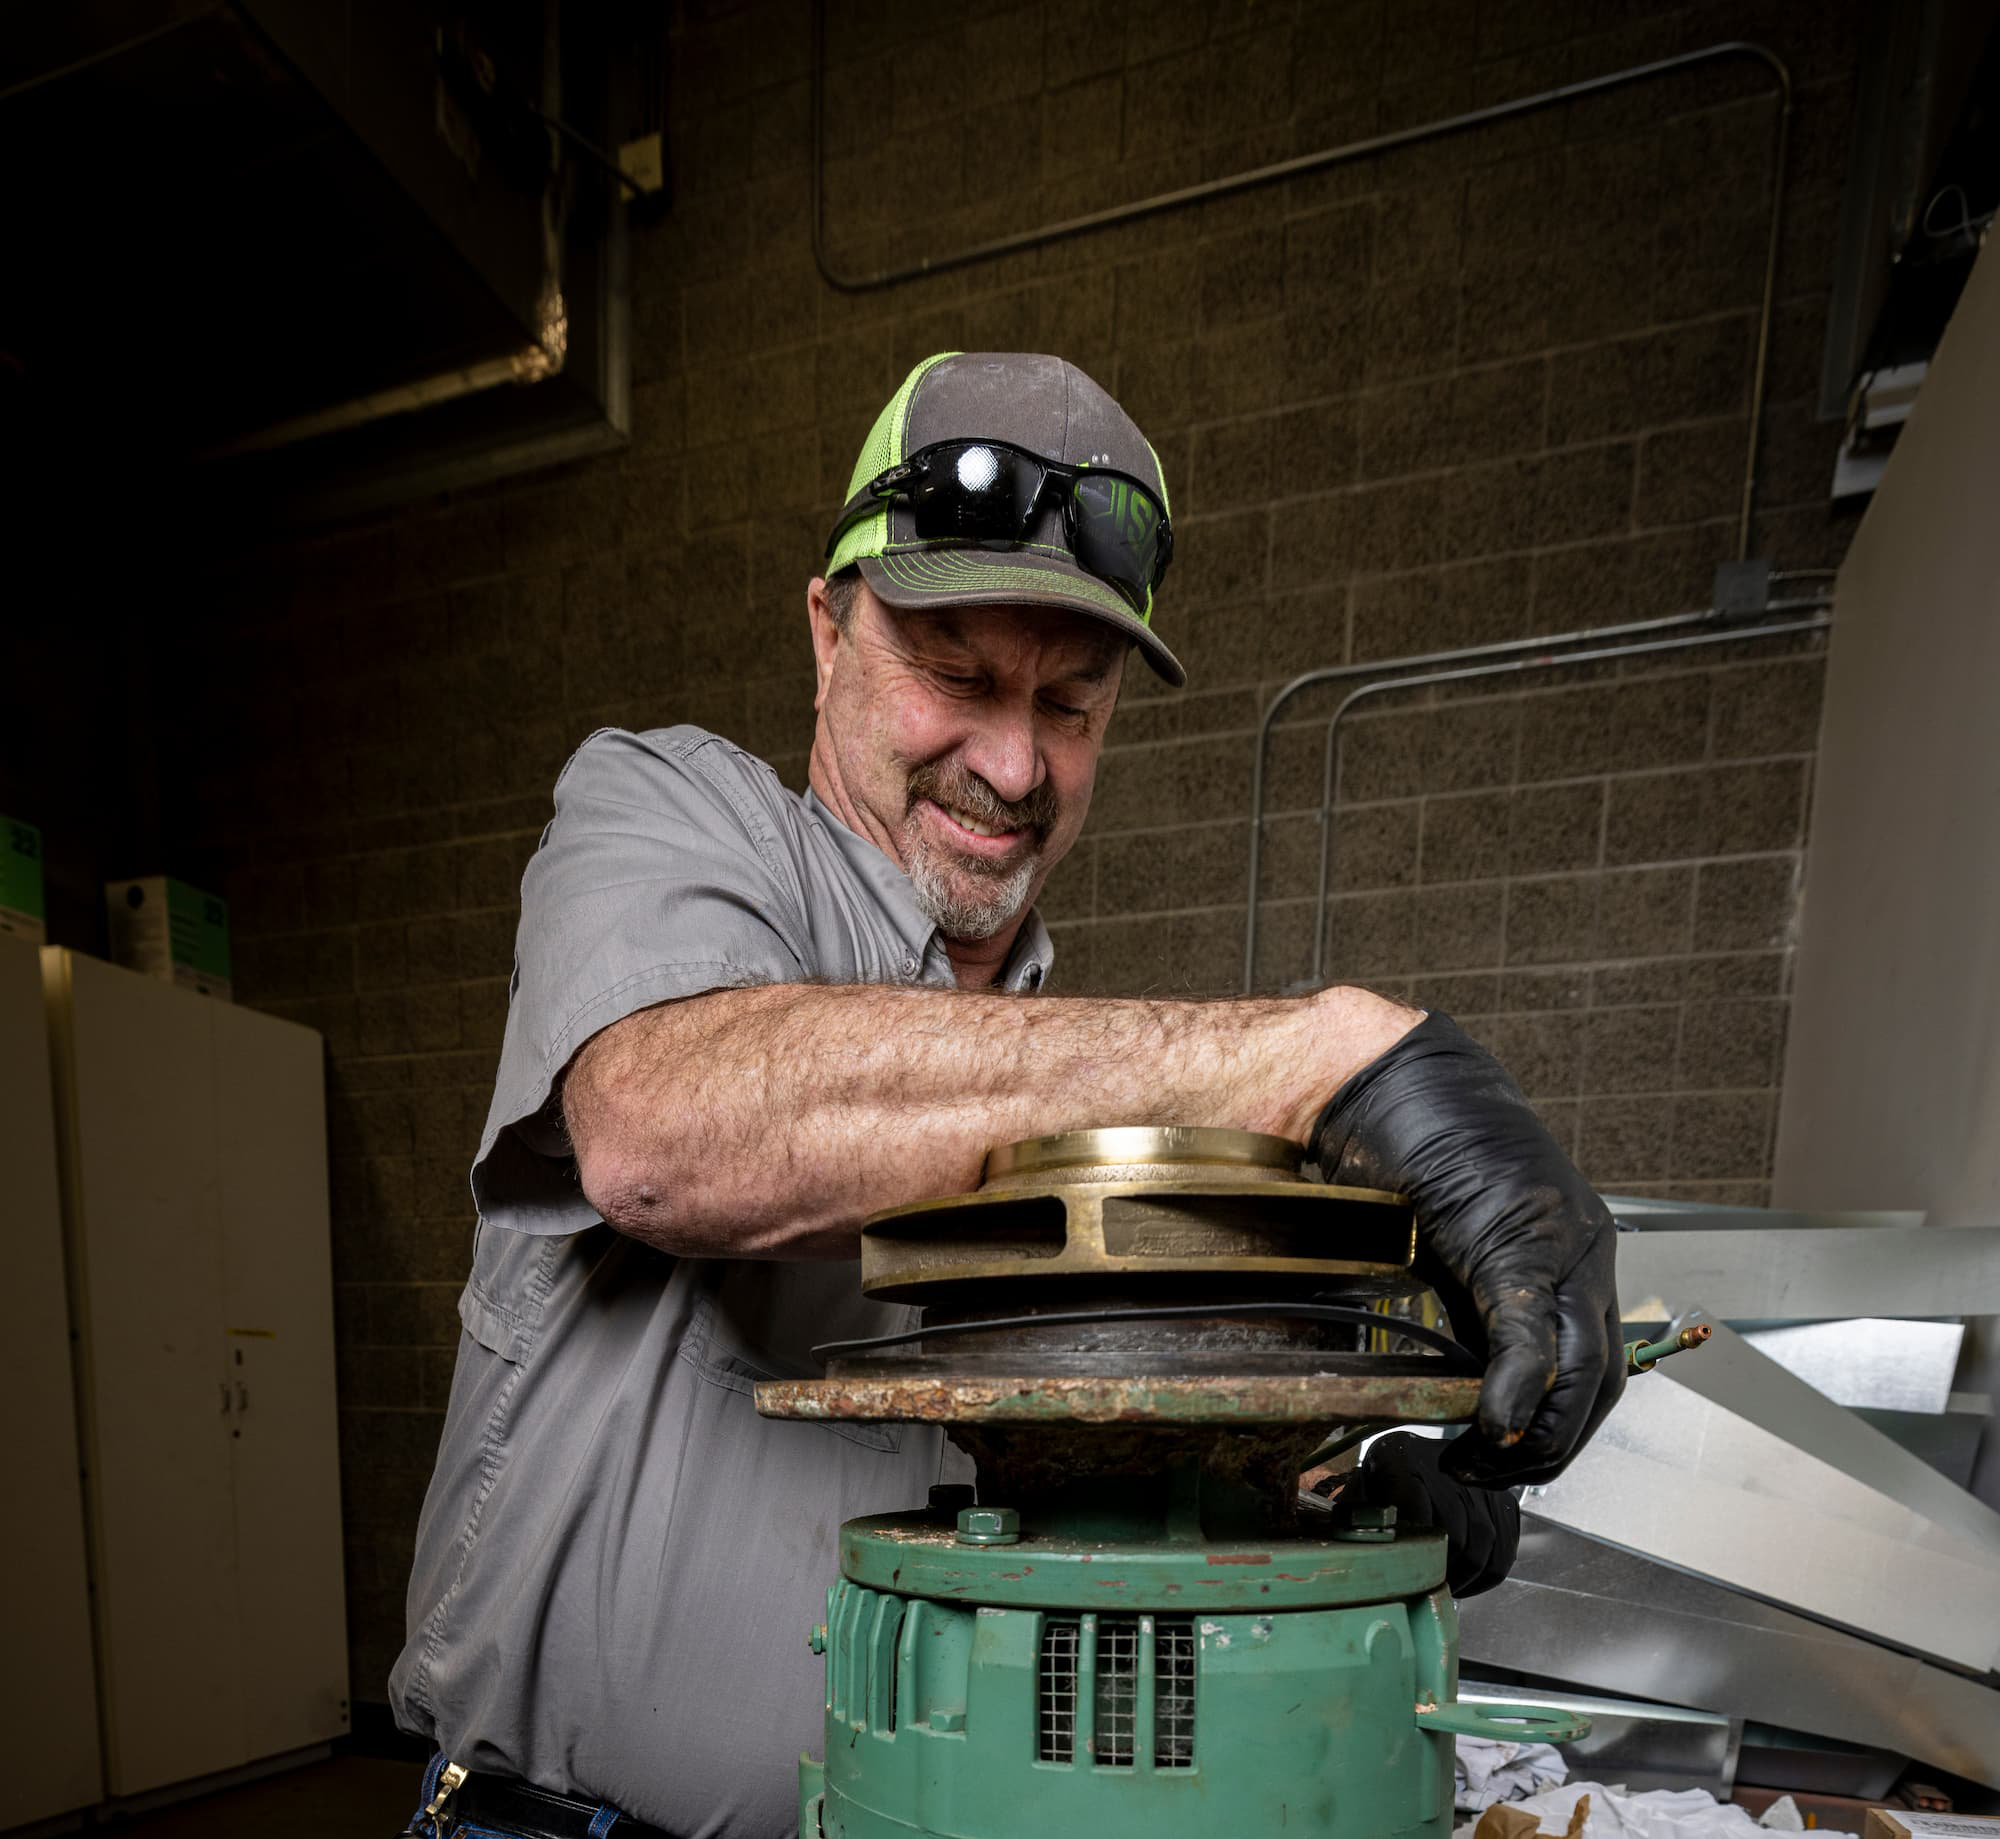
(770, 1122)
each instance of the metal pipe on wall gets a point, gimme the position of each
(1232, 183)
(1377, 667)
(1329, 771)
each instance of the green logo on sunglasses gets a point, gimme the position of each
(1130, 512)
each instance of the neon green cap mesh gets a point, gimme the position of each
(869, 536)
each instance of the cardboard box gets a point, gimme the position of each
(22, 913)
(1907, 1823)
(163, 928)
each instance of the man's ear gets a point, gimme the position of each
(825, 638)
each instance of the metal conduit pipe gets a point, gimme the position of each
(1377, 667)
(1232, 183)
(1511, 667)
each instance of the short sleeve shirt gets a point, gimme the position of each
(618, 1560)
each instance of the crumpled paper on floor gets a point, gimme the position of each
(1590, 1810)
(1490, 1769)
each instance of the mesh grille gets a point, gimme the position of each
(1117, 1692)
(1112, 1716)
(1056, 1681)
(882, 450)
(1173, 1695)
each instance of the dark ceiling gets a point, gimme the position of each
(225, 217)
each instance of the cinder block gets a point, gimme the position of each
(1746, 904)
(1551, 920)
(1630, 1050)
(1722, 1136)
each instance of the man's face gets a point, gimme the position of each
(964, 744)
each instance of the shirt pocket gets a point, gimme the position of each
(724, 1357)
(500, 1305)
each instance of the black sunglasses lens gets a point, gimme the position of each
(969, 489)
(1117, 533)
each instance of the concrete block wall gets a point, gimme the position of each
(1491, 386)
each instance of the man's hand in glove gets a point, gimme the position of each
(1482, 1526)
(1509, 1234)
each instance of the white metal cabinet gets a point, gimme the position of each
(277, 1278)
(194, 1156)
(48, 1687)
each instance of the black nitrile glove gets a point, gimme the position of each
(1482, 1526)
(1509, 1234)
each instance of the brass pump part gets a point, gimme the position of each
(1143, 1201)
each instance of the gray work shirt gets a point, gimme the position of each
(619, 1560)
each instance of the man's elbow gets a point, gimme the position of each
(668, 1207)
(631, 1176)
(632, 1198)
(648, 1160)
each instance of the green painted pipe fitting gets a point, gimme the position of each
(1643, 1356)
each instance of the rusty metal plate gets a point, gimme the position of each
(1339, 1398)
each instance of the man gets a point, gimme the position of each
(743, 1020)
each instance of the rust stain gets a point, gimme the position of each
(1255, 1399)
(1239, 1558)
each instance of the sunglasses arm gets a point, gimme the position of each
(871, 497)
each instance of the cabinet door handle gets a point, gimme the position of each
(242, 1396)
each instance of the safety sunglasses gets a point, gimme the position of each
(991, 492)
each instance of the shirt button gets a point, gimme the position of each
(909, 967)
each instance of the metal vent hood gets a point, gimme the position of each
(324, 252)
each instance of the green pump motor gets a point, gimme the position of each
(1143, 1627)
(1128, 1689)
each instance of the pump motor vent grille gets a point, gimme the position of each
(1173, 1695)
(1107, 1700)
(1056, 1692)
(1117, 1691)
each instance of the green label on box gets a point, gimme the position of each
(21, 868)
(198, 928)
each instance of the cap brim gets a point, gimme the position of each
(913, 579)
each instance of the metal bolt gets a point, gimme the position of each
(1367, 1526)
(816, 1639)
(989, 1526)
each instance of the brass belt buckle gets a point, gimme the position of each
(448, 1785)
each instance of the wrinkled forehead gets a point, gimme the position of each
(1050, 641)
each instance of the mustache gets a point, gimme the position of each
(956, 786)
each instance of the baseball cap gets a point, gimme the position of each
(1029, 400)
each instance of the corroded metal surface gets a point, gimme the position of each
(1401, 1398)
(1245, 1478)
